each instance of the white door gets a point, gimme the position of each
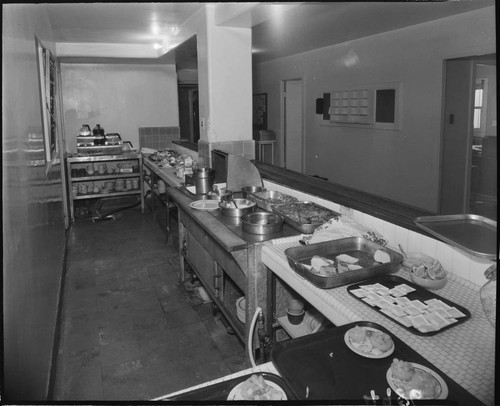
(292, 125)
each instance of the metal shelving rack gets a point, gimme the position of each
(80, 161)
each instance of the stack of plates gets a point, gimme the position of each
(240, 309)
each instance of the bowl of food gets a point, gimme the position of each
(425, 271)
(236, 207)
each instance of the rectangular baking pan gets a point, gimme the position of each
(271, 197)
(323, 366)
(311, 224)
(476, 235)
(221, 390)
(357, 247)
(419, 294)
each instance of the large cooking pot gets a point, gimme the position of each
(262, 223)
(203, 180)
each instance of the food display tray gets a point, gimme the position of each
(418, 294)
(220, 391)
(357, 247)
(322, 366)
(266, 199)
(312, 215)
(474, 234)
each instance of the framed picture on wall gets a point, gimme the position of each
(47, 83)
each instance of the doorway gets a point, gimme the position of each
(189, 113)
(469, 155)
(292, 124)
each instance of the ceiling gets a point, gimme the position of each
(302, 27)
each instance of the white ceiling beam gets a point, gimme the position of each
(248, 15)
(100, 50)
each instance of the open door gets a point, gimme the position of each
(457, 137)
(469, 153)
(292, 124)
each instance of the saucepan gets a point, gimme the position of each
(262, 223)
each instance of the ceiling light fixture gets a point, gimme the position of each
(155, 28)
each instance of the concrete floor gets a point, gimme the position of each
(130, 330)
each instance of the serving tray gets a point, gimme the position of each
(306, 217)
(417, 293)
(474, 234)
(357, 247)
(323, 367)
(220, 391)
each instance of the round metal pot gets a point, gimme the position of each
(203, 180)
(252, 189)
(262, 223)
(245, 206)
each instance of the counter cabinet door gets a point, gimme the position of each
(202, 262)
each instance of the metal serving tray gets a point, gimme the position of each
(304, 225)
(266, 199)
(474, 234)
(357, 247)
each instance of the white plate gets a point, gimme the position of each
(235, 393)
(444, 388)
(205, 205)
(367, 354)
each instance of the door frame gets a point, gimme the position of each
(283, 137)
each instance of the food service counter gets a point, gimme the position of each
(466, 352)
(225, 258)
(166, 174)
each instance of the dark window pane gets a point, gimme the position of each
(385, 106)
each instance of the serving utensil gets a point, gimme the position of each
(402, 251)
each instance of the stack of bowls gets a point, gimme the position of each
(108, 186)
(119, 185)
(240, 309)
(295, 311)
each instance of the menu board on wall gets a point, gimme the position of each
(260, 111)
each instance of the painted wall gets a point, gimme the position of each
(33, 221)
(121, 97)
(225, 89)
(400, 165)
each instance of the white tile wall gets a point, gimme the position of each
(452, 259)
